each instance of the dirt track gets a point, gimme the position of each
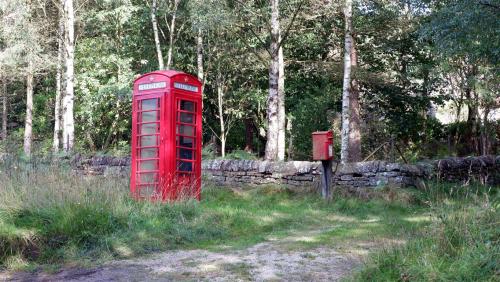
(270, 261)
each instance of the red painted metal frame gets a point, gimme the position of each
(171, 183)
(322, 141)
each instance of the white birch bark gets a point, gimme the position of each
(220, 104)
(199, 55)
(172, 35)
(4, 109)
(68, 100)
(28, 125)
(57, 106)
(346, 89)
(154, 8)
(272, 101)
(281, 106)
(354, 107)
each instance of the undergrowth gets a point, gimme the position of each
(462, 244)
(50, 216)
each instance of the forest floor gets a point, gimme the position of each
(277, 259)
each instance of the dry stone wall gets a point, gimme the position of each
(485, 169)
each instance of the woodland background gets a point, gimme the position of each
(411, 57)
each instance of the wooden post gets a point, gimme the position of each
(326, 179)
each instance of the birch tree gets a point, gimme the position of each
(154, 23)
(171, 29)
(346, 89)
(68, 100)
(4, 109)
(273, 97)
(28, 125)
(57, 103)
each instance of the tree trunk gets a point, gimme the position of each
(4, 110)
(28, 126)
(485, 142)
(273, 99)
(346, 89)
(199, 55)
(68, 100)
(354, 108)
(281, 105)
(249, 133)
(155, 32)
(220, 104)
(172, 35)
(57, 103)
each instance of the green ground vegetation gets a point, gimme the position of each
(461, 244)
(50, 217)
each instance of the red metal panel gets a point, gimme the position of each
(322, 145)
(171, 87)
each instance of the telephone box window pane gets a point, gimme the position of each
(147, 191)
(186, 118)
(148, 165)
(148, 177)
(185, 130)
(187, 106)
(184, 166)
(149, 128)
(150, 116)
(185, 141)
(148, 153)
(146, 141)
(149, 104)
(186, 154)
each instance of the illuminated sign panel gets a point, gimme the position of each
(186, 87)
(154, 85)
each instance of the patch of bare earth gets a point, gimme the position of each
(275, 260)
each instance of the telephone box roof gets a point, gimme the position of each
(167, 73)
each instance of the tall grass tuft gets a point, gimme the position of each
(462, 244)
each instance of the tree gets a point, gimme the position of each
(69, 59)
(171, 29)
(58, 122)
(26, 52)
(347, 88)
(159, 54)
(273, 99)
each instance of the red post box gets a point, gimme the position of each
(166, 136)
(322, 145)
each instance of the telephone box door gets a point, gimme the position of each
(147, 165)
(187, 136)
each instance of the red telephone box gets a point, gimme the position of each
(166, 136)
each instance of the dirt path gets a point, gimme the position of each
(270, 261)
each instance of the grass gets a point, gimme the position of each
(462, 244)
(49, 216)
